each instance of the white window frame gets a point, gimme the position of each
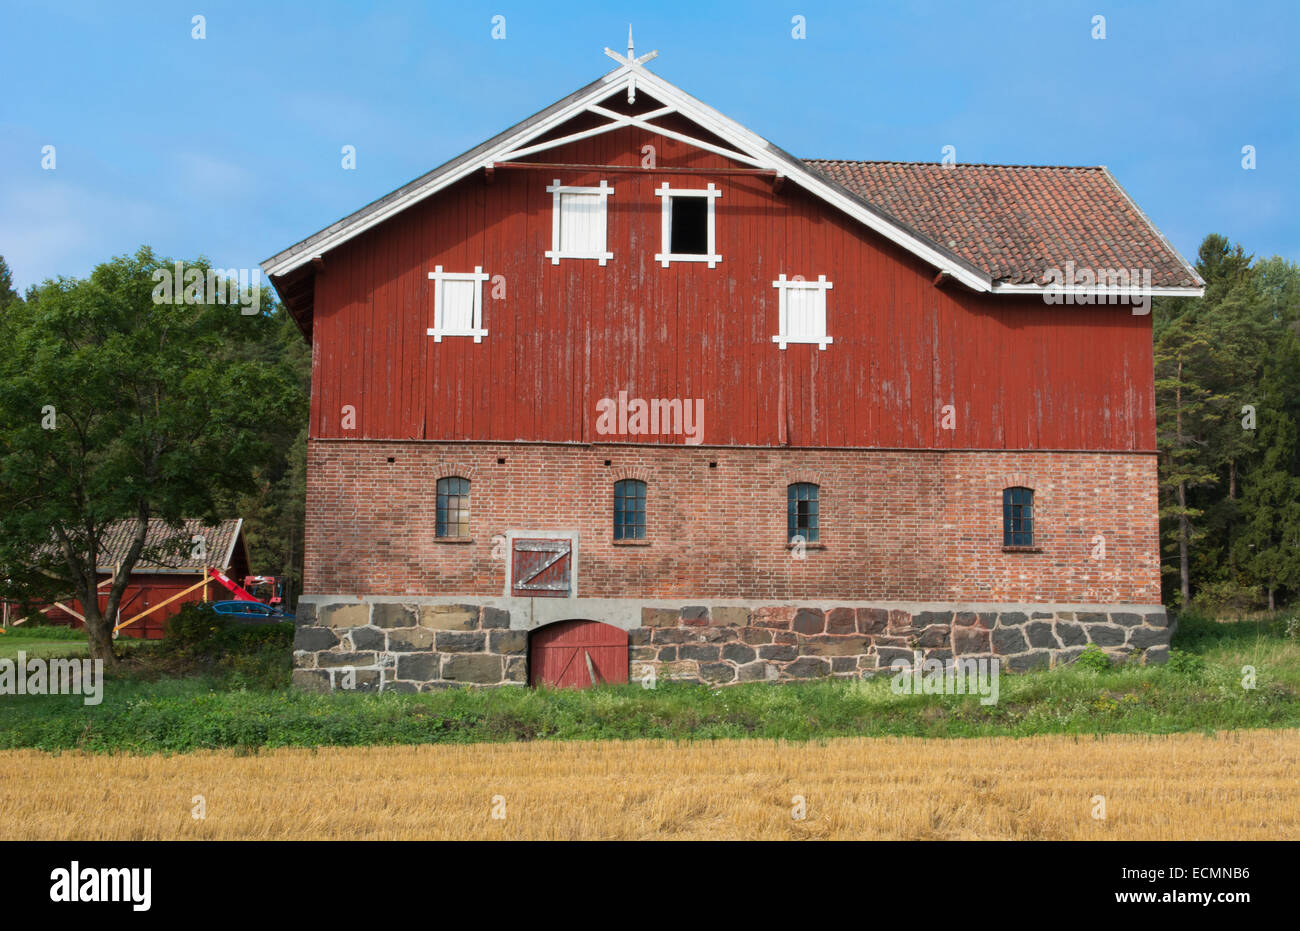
(668, 193)
(439, 329)
(558, 190)
(784, 286)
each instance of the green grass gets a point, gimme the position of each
(49, 641)
(1200, 690)
(43, 632)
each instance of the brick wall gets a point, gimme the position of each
(923, 526)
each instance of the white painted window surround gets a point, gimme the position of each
(802, 312)
(666, 257)
(578, 222)
(457, 304)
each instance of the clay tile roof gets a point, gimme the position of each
(219, 545)
(1015, 222)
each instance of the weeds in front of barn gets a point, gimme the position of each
(235, 698)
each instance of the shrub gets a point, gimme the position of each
(1184, 663)
(1093, 657)
(194, 627)
(1226, 598)
(255, 656)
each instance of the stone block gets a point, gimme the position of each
(339, 616)
(476, 668)
(312, 639)
(841, 621)
(449, 617)
(1008, 640)
(508, 641)
(420, 667)
(730, 617)
(394, 615)
(872, 620)
(809, 621)
(658, 617)
(331, 659)
(1040, 635)
(807, 667)
(738, 653)
(456, 642)
(410, 639)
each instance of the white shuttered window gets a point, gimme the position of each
(802, 311)
(578, 222)
(457, 304)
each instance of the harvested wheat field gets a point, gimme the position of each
(1236, 785)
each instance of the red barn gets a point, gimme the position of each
(627, 389)
(159, 586)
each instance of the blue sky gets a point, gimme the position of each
(230, 146)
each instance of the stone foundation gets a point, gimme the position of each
(377, 644)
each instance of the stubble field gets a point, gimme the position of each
(1233, 785)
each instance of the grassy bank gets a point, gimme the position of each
(182, 700)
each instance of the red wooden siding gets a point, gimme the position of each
(558, 653)
(1020, 374)
(143, 591)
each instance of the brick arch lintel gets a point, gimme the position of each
(1019, 480)
(447, 468)
(640, 473)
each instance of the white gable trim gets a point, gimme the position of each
(230, 550)
(751, 149)
(1099, 290)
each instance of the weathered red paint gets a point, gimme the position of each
(1019, 374)
(541, 568)
(558, 654)
(143, 591)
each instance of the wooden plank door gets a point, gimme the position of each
(566, 654)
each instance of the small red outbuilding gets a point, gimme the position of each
(153, 583)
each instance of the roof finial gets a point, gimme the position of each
(631, 62)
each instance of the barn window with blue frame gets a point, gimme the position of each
(1017, 516)
(801, 517)
(453, 507)
(629, 509)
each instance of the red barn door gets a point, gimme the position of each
(565, 655)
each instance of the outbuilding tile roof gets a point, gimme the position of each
(218, 545)
(1016, 221)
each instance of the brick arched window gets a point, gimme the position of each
(629, 509)
(801, 514)
(453, 507)
(1017, 516)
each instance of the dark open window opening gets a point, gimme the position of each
(801, 512)
(453, 507)
(689, 226)
(629, 510)
(1017, 517)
